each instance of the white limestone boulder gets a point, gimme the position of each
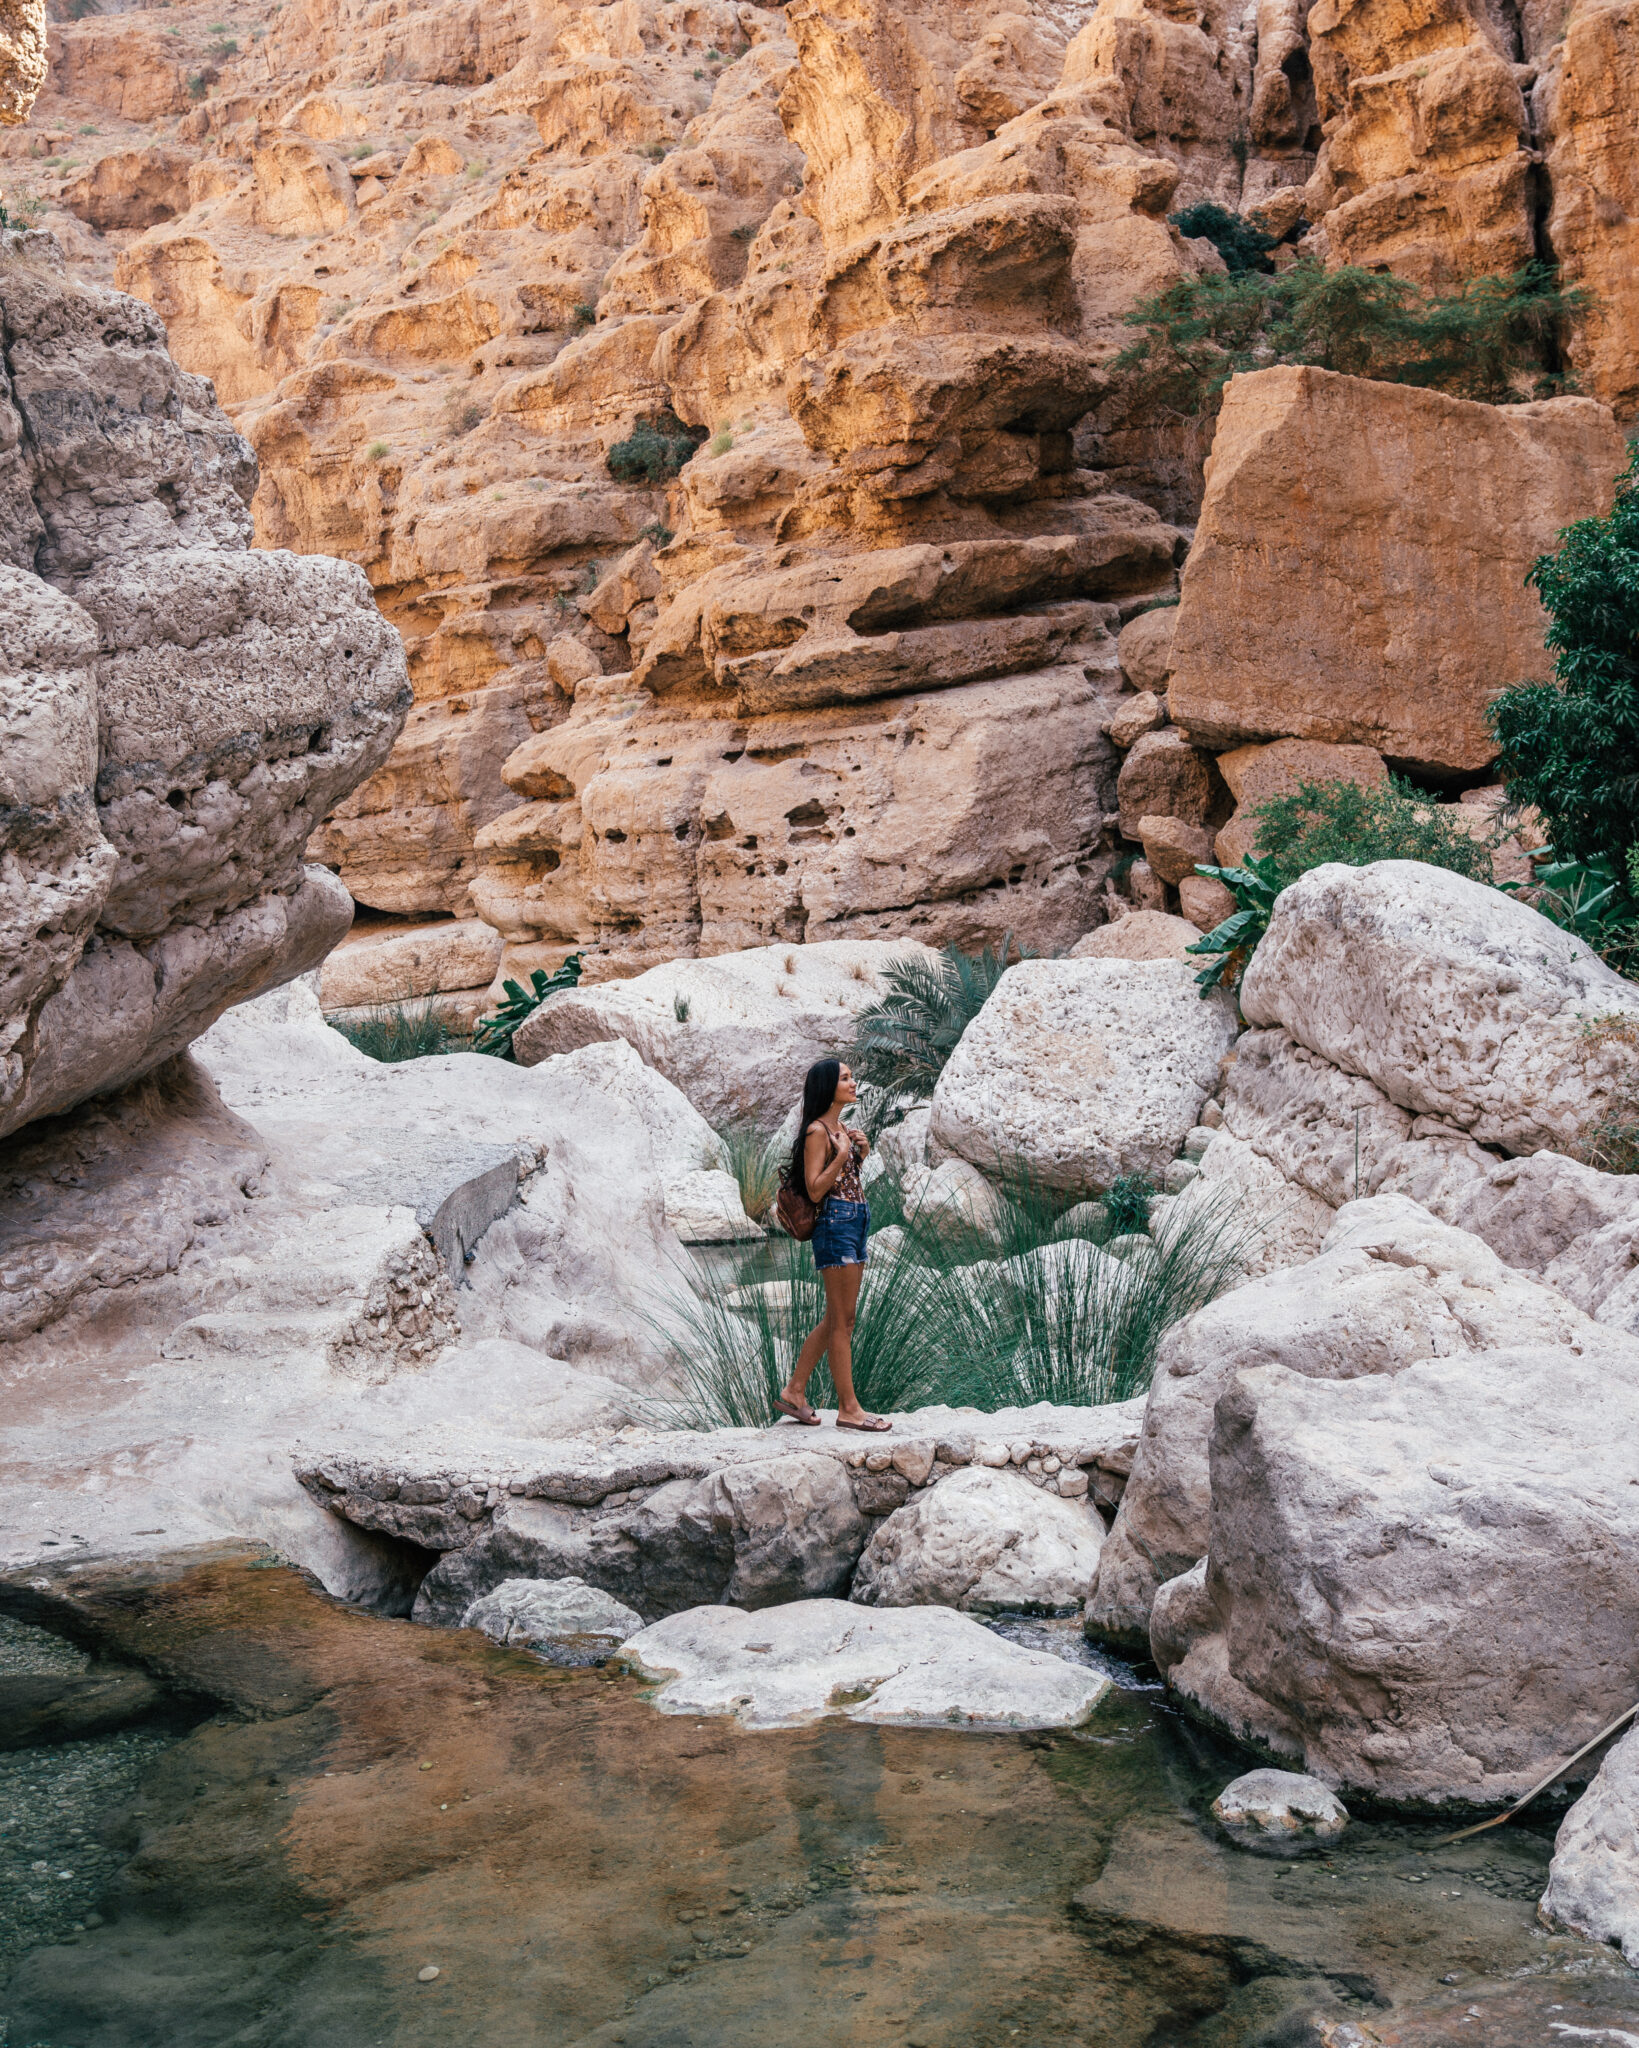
(953, 1198)
(983, 1541)
(1140, 935)
(735, 1033)
(1079, 1071)
(1593, 1880)
(1461, 1003)
(1336, 1135)
(916, 1667)
(1420, 1585)
(570, 1622)
(1391, 1286)
(558, 1180)
(1279, 1812)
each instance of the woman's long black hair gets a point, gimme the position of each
(819, 1091)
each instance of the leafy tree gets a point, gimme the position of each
(1485, 340)
(1242, 245)
(1572, 748)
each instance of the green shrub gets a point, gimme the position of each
(1242, 245)
(1127, 1205)
(1229, 945)
(1320, 822)
(1611, 1141)
(1570, 747)
(731, 1338)
(1326, 821)
(494, 1034)
(757, 1163)
(391, 1032)
(655, 450)
(1487, 339)
(1064, 1322)
(903, 1039)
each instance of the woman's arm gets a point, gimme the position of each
(821, 1178)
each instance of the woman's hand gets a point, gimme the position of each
(859, 1141)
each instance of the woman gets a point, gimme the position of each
(828, 1156)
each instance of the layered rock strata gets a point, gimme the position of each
(179, 712)
(874, 271)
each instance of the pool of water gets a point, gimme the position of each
(374, 1802)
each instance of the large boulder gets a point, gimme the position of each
(1392, 1286)
(1593, 1881)
(735, 1033)
(178, 711)
(1079, 1071)
(784, 1527)
(916, 1668)
(1464, 1005)
(982, 1540)
(1420, 1585)
(1382, 603)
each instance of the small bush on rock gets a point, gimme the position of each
(1326, 821)
(655, 450)
(1242, 245)
(1127, 1205)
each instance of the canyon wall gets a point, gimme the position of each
(177, 711)
(853, 670)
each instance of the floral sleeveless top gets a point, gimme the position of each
(846, 1187)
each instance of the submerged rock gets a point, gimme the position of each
(922, 1667)
(569, 1621)
(1279, 1812)
(982, 1540)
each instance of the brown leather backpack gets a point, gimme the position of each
(794, 1206)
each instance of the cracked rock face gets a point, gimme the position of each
(177, 712)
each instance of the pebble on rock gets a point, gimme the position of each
(1279, 1813)
(426, 1974)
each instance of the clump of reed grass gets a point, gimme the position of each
(988, 1315)
(757, 1162)
(391, 1032)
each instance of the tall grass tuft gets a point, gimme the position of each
(1067, 1323)
(732, 1339)
(757, 1162)
(985, 1317)
(399, 1031)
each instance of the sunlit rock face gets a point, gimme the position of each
(869, 274)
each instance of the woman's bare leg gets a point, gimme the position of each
(834, 1333)
(842, 1298)
(813, 1350)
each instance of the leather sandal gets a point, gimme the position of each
(798, 1411)
(873, 1425)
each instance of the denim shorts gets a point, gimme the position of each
(839, 1237)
